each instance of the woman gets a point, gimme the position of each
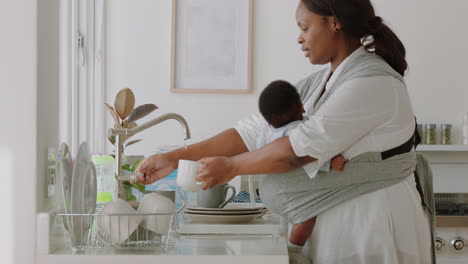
(347, 115)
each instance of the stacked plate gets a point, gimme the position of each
(76, 192)
(229, 215)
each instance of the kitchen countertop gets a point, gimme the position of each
(269, 224)
(206, 249)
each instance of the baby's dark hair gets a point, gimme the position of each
(280, 104)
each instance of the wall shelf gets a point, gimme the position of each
(442, 148)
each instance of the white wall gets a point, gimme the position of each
(48, 89)
(18, 66)
(436, 38)
(139, 45)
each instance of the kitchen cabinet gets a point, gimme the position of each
(449, 164)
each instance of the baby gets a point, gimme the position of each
(281, 106)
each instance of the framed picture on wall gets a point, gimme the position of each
(211, 46)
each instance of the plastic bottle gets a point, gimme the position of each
(465, 129)
(106, 182)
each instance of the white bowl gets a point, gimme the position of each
(118, 227)
(156, 204)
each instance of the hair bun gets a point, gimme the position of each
(375, 25)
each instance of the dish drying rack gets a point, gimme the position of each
(95, 237)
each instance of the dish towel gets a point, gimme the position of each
(244, 197)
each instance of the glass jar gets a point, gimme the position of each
(445, 134)
(419, 128)
(430, 134)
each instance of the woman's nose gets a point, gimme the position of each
(300, 39)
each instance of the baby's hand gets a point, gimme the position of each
(337, 163)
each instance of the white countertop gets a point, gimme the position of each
(268, 225)
(206, 249)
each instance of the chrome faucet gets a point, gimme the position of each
(119, 132)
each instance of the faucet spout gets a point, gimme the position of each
(119, 132)
(151, 123)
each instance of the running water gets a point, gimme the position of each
(185, 142)
(252, 192)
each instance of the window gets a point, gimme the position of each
(82, 76)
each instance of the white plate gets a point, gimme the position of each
(226, 209)
(64, 180)
(222, 213)
(67, 163)
(223, 219)
(245, 206)
(83, 195)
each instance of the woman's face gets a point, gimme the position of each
(317, 37)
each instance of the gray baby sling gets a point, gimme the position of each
(300, 198)
(295, 195)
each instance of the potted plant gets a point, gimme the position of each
(125, 116)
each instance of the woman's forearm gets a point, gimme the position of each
(276, 157)
(227, 144)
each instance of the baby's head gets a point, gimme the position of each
(280, 104)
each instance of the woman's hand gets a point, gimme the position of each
(155, 168)
(214, 171)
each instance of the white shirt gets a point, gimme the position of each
(269, 134)
(363, 115)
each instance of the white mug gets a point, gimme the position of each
(118, 221)
(186, 173)
(157, 204)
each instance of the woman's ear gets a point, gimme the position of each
(336, 25)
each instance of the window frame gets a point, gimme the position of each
(82, 74)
